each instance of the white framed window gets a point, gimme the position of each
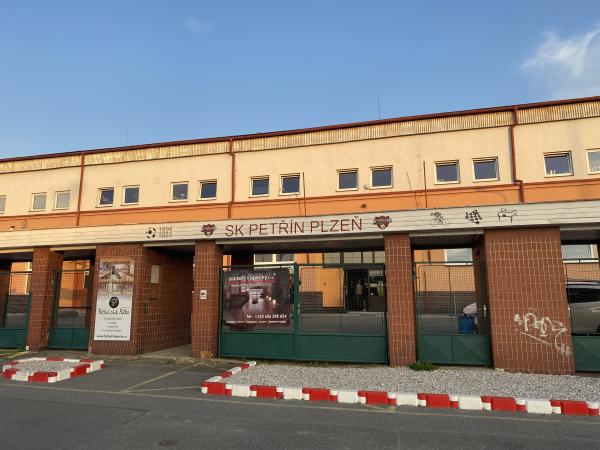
(593, 160)
(2, 204)
(447, 172)
(458, 256)
(62, 200)
(290, 184)
(347, 180)
(576, 252)
(485, 169)
(106, 196)
(273, 258)
(207, 190)
(38, 202)
(179, 191)
(558, 164)
(259, 186)
(131, 195)
(381, 177)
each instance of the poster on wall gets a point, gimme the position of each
(114, 300)
(257, 299)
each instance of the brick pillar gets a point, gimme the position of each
(526, 294)
(4, 286)
(205, 313)
(141, 293)
(44, 267)
(400, 300)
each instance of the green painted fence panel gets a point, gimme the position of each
(586, 350)
(256, 345)
(13, 337)
(343, 348)
(472, 350)
(69, 338)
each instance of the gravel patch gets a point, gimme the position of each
(44, 366)
(458, 381)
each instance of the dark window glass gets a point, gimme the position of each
(290, 185)
(381, 177)
(262, 258)
(347, 180)
(208, 189)
(594, 160)
(2, 204)
(107, 196)
(486, 170)
(132, 195)
(260, 186)
(446, 173)
(180, 191)
(280, 257)
(558, 164)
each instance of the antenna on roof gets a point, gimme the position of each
(378, 105)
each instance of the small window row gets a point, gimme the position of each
(39, 201)
(560, 164)
(207, 190)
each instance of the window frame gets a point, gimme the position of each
(587, 154)
(376, 168)
(45, 194)
(56, 194)
(554, 154)
(481, 160)
(131, 186)
(108, 205)
(261, 177)
(593, 254)
(179, 200)
(289, 175)
(202, 182)
(458, 263)
(3, 210)
(339, 172)
(273, 260)
(455, 162)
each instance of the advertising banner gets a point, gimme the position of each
(114, 301)
(257, 299)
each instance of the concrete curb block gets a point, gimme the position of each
(11, 370)
(217, 386)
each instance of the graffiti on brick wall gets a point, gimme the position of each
(545, 330)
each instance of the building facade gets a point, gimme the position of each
(468, 237)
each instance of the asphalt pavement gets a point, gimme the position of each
(135, 404)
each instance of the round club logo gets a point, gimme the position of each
(113, 302)
(151, 233)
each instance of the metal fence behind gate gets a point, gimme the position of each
(15, 298)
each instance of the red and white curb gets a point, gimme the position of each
(219, 386)
(11, 370)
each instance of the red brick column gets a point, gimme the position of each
(205, 313)
(527, 295)
(400, 300)
(44, 267)
(141, 287)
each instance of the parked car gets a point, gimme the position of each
(584, 305)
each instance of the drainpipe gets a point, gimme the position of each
(230, 206)
(513, 158)
(82, 168)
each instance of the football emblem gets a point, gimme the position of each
(151, 233)
(208, 229)
(382, 222)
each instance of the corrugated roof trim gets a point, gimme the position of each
(40, 164)
(559, 112)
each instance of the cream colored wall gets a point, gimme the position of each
(155, 178)
(534, 140)
(19, 187)
(405, 154)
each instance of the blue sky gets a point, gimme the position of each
(75, 74)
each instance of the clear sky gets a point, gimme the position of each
(76, 74)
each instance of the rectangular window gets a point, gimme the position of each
(347, 180)
(284, 257)
(446, 172)
(273, 258)
(208, 190)
(579, 251)
(485, 169)
(558, 164)
(332, 258)
(106, 197)
(458, 255)
(179, 192)
(38, 202)
(2, 204)
(594, 161)
(62, 200)
(259, 186)
(131, 195)
(381, 177)
(290, 184)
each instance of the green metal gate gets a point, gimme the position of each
(70, 327)
(337, 313)
(15, 300)
(582, 278)
(451, 313)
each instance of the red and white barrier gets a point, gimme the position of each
(11, 370)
